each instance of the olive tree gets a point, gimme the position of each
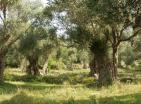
(111, 21)
(12, 27)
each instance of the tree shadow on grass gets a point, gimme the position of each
(8, 88)
(125, 99)
(71, 78)
(23, 98)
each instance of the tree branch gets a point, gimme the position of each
(125, 27)
(11, 41)
(132, 36)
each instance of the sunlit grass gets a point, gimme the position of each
(20, 92)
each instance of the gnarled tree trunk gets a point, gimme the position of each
(105, 70)
(99, 47)
(32, 68)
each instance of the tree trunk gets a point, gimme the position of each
(29, 70)
(115, 62)
(105, 73)
(35, 69)
(33, 66)
(4, 13)
(45, 67)
(93, 69)
(1, 68)
(84, 65)
(23, 65)
(99, 47)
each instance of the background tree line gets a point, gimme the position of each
(96, 33)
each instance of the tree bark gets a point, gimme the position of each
(105, 71)
(99, 47)
(4, 12)
(84, 65)
(1, 68)
(23, 64)
(45, 67)
(32, 68)
(93, 69)
(115, 62)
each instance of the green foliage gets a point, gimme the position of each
(28, 44)
(128, 56)
(80, 36)
(8, 2)
(13, 58)
(71, 57)
(56, 65)
(83, 56)
(53, 64)
(99, 46)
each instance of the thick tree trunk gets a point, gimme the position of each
(29, 70)
(99, 47)
(1, 68)
(23, 65)
(33, 66)
(105, 73)
(84, 65)
(115, 62)
(93, 69)
(35, 69)
(45, 67)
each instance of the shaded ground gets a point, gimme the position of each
(65, 87)
(54, 77)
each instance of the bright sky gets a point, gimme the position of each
(60, 29)
(44, 2)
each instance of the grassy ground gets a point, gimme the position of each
(65, 87)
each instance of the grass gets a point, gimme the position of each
(64, 87)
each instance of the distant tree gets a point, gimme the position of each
(83, 56)
(36, 42)
(16, 19)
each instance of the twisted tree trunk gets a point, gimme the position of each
(105, 70)
(32, 68)
(99, 48)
